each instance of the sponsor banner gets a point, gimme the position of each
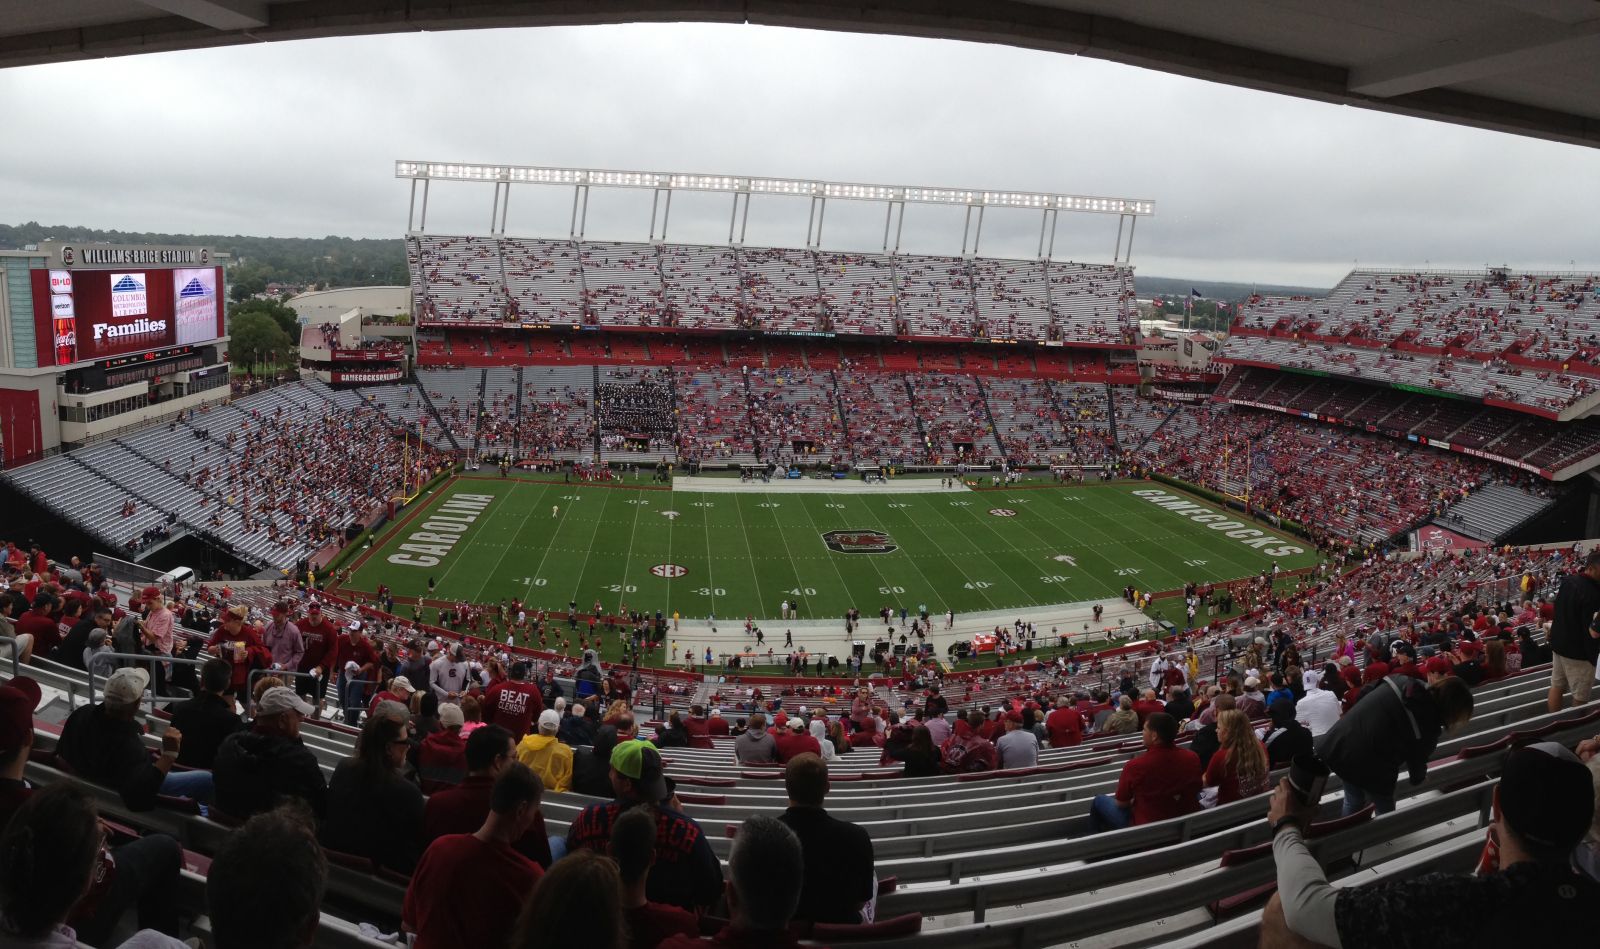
(66, 333)
(128, 295)
(195, 302)
(61, 306)
(367, 355)
(60, 281)
(389, 376)
(1491, 456)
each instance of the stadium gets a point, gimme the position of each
(983, 546)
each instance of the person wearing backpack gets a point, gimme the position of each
(966, 751)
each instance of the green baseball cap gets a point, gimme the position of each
(639, 762)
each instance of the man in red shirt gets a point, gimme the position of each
(794, 740)
(463, 808)
(716, 724)
(633, 847)
(698, 727)
(513, 703)
(39, 626)
(240, 645)
(1148, 705)
(442, 756)
(321, 658)
(1161, 783)
(466, 888)
(360, 668)
(1065, 724)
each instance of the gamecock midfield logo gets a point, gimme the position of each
(860, 542)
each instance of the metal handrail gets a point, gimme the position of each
(104, 657)
(12, 642)
(257, 674)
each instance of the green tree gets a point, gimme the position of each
(281, 314)
(257, 338)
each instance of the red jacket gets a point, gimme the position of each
(717, 725)
(244, 650)
(1065, 726)
(699, 730)
(442, 760)
(791, 743)
(322, 645)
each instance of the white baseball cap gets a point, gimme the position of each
(126, 686)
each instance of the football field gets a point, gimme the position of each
(732, 554)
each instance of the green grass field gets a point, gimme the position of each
(482, 539)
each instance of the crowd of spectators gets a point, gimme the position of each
(495, 280)
(1495, 335)
(446, 783)
(1333, 480)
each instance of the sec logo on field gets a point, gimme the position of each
(668, 570)
(1002, 512)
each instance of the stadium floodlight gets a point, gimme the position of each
(427, 171)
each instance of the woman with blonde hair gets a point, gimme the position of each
(1239, 768)
(615, 712)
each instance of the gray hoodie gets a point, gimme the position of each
(754, 747)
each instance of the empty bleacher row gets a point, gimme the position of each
(1005, 858)
(1553, 448)
(1531, 341)
(496, 280)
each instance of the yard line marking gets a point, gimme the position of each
(1001, 571)
(936, 551)
(489, 574)
(783, 535)
(627, 560)
(548, 547)
(843, 586)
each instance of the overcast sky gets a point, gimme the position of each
(299, 139)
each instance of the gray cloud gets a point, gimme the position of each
(299, 139)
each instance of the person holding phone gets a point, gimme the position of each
(1527, 894)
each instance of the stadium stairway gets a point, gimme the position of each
(838, 402)
(988, 413)
(427, 403)
(477, 415)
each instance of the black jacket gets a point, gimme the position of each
(69, 652)
(372, 817)
(591, 766)
(1577, 599)
(255, 771)
(108, 751)
(1205, 744)
(576, 730)
(204, 721)
(1283, 744)
(1368, 746)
